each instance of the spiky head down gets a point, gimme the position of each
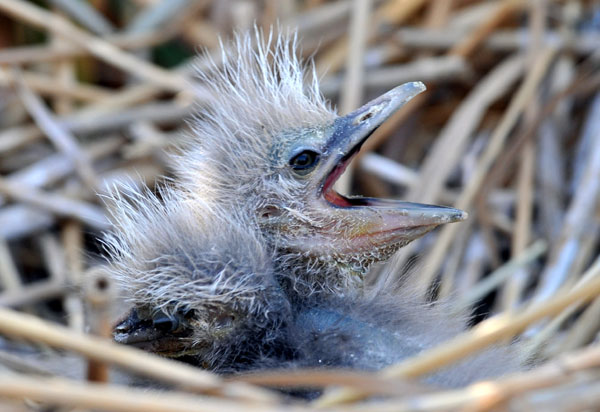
(269, 146)
(261, 108)
(178, 259)
(253, 225)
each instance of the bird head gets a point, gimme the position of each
(270, 146)
(194, 279)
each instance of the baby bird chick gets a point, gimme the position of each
(252, 260)
(271, 148)
(204, 289)
(200, 283)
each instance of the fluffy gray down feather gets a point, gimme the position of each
(199, 248)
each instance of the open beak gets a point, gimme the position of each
(382, 222)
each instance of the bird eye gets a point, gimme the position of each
(304, 161)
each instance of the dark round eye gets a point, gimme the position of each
(304, 161)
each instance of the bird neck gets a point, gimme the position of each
(308, 275)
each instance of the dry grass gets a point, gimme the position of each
(93, 93)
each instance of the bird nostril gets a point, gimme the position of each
(363, 117)
(367, 115)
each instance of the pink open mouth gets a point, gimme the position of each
(338, 200)
(329, 193)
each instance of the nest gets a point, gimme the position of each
(94, 93)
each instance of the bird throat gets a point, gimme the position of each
(340, 273)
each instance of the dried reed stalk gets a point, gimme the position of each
(22, 326)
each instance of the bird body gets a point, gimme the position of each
(251, 260)
(214, 298)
